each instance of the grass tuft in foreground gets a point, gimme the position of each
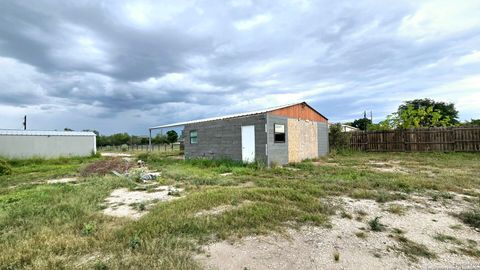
(471, 217)
(412, 249)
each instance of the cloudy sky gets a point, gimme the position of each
(120, 66)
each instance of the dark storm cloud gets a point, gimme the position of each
(123, 65)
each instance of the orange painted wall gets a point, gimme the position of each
(300, 111)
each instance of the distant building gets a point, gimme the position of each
(46, 144)
(280, 135)
(346, 128)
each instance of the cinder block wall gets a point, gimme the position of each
(277, 152)
(223, 138)
(305, 138)
(323, 144)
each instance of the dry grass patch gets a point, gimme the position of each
(106, 166)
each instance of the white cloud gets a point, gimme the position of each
(19, 81)
(241, 3)
(245, 25)
(178, 82)
(149, 14)
(78, 47)
(439, 18)
(471, 58)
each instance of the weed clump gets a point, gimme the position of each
(361, 235)
(88, 229)
(344, 214)
(471, 217)
(5, 168)
(413, 250)
(99, 265)
(396, 209)
(375, 225)
(336, 255)
(134, 243)
(447, 238)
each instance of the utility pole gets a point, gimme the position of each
(150, 140)
(25, 122)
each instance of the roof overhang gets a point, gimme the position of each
(233, 116)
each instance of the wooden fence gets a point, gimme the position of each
(462, 139)
(139, 147)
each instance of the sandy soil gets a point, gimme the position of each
(314, 247)
(115, 155)
(122, 202)
(62, 180)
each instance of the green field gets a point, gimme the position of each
(60, 226)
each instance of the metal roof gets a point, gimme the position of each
(10, 132)
(226, 116)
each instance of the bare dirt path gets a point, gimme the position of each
(409, 226)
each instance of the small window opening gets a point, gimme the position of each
(193, 136)
(279, 133)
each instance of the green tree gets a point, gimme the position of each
(413, 117)
(472, 122)
(119, 138)
(172, 136)
(361, 123)
(159, 139)
(67, 129)
(446, 112)
(391, 122)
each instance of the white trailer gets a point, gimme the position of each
(46, 144)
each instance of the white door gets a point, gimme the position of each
(248, 143)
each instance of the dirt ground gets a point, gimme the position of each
(134, 204)
(419, 220)
(115, 154)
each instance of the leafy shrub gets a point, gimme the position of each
(124, 147)
(5, 169)
(338, 139)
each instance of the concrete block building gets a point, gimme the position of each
(46, 144)
(279, 135)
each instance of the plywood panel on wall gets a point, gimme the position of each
(300, 111)
(302, 140)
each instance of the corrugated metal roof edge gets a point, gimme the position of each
(18, 132)
(235, 116)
